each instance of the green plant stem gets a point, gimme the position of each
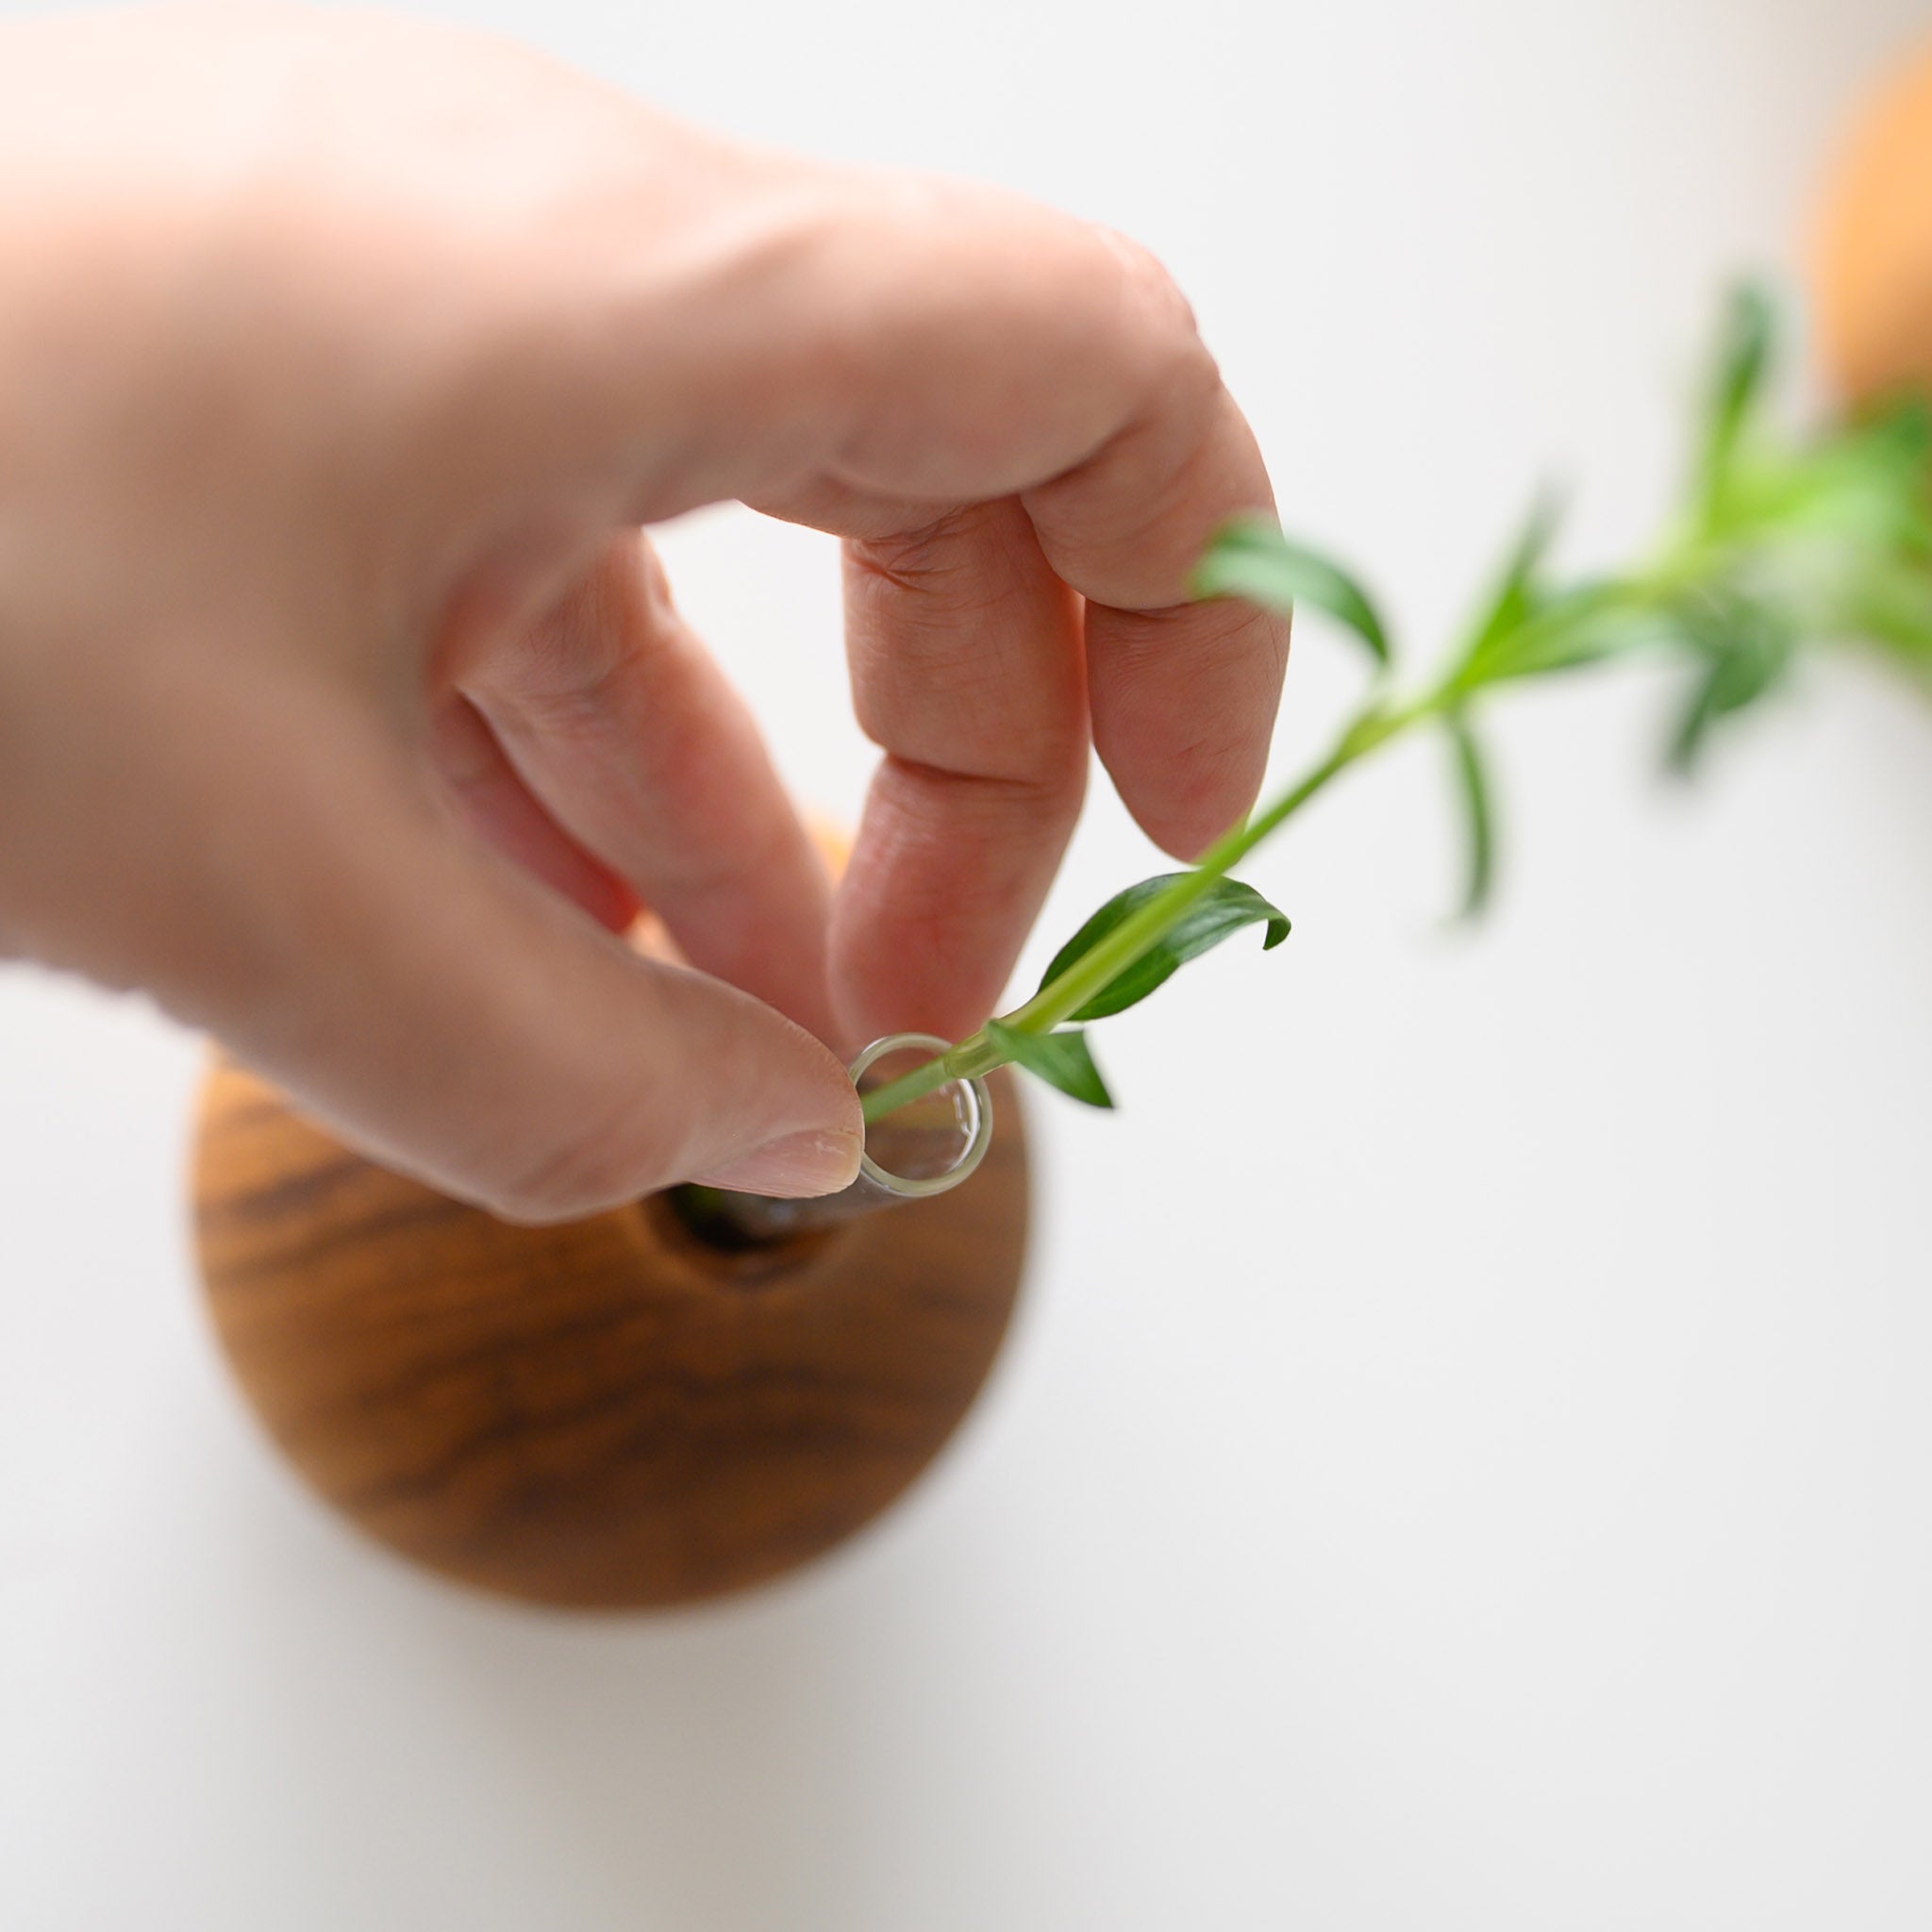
(1680, 564)
(1137, 935)
(1729, 591)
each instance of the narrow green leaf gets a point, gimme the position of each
(1742, 360)
(1224, 909)
(1471, 779)
(1515, 617)
(1517, 595)
(1251, 558)
(1574, 628)
(1903, 426)
(1061, 1060)
(1745, 648)
(1862, 484)
(1694, 723)
(1892, 604)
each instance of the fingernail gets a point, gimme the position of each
(811, 1163)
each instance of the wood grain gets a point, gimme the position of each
(607, 1414)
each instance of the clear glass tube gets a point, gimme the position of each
(925, 1148)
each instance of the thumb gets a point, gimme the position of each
(458, 1021)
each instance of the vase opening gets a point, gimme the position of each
(926, 1147)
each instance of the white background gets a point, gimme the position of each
(1467, 1457)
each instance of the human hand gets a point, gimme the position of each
(340, 362)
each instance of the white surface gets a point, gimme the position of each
(1467, 1461)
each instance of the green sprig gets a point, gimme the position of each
(1782, 540)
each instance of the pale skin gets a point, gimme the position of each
(344, 705)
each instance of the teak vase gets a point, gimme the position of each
(613, 1414)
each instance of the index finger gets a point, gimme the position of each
(1184, 696)
(1009, 350)
(982, 679)
(882, 357)
(868, 352)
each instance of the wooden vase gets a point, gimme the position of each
(613, 1414)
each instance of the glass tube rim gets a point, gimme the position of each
(980, 1130)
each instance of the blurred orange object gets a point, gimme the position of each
(1872, 262)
